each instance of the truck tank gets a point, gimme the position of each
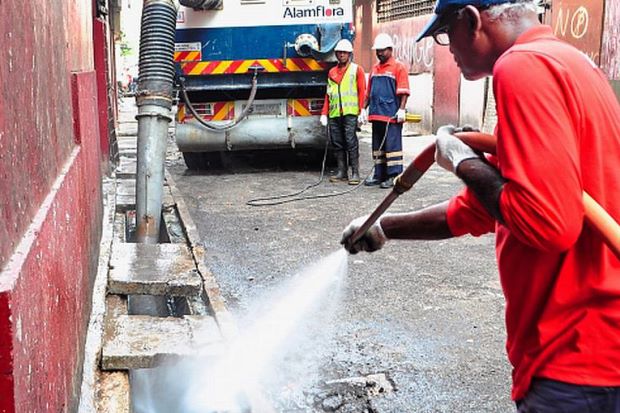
(252, 75)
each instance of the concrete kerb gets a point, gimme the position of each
(102, 390)
(91, 375)
(217, 304)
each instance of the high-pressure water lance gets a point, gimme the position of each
(595, 214)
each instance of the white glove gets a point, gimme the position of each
(323, 120)
(400, 115)
(372, 240)
(363, 116)
(450, 151)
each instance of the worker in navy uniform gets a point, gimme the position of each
(388, 90)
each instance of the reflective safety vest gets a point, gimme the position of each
(343, 95)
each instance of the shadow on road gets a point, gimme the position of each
(285, 160)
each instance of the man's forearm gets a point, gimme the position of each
(486, 183)
(403, 101)
(426, 224)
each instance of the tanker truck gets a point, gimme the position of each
(251, 75)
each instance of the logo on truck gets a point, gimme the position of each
(318, 11)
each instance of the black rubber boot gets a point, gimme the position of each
(388, 183)
(341, 174)
(354, 162)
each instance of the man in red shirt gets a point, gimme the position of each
(346, 86)
(558, 134)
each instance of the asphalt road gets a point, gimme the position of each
(426, 317)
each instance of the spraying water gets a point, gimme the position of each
(231, 382)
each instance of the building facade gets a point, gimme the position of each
(55, 124)
(439, 93)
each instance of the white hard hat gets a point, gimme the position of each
(344, 46)
(383, 41)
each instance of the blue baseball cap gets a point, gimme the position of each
(443, 10)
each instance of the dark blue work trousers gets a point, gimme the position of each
(551, 396)
(388, 158)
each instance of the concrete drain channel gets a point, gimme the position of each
(163, 304)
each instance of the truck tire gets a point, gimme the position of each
(196, 161)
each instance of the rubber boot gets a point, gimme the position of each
(341, 160)
(354, 161)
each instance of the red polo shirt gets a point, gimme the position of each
(558, 133)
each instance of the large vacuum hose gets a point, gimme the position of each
(203, 4)
(156, 63)
(154, 100)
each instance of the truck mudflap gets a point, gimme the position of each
(253, 133)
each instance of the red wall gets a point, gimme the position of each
(447, 80)
(100, 32)
(50, 200)
(364, 11)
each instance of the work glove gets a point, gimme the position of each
(323, 120)
(362, 119)
(372, 240)
(400, 115)
(450, 151)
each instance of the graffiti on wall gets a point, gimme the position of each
(580, 23)
(418, 57)
(610, 50)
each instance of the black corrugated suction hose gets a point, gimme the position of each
(202, 4)
(157, 53)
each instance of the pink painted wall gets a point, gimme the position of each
(50, 200)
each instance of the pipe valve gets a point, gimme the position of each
(305, 44)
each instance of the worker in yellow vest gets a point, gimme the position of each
(346, 88)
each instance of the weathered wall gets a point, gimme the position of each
(610, 50)
(471, 102)
(580, 23)
(50, 200)
(446, 91)
(417, 57)
(365, 15)
(420, 102)
(593, 26)
(101, 59)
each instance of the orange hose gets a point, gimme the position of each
(595, 215)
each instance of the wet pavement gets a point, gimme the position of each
(416, 327)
